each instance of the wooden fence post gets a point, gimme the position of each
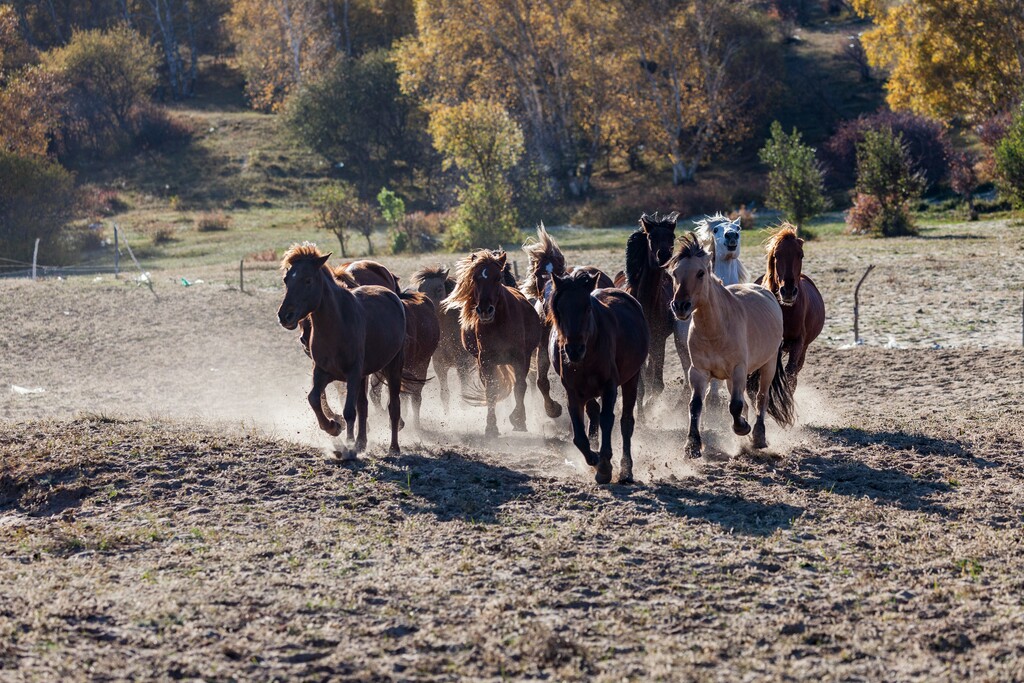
(35, 258)
(117, 254)
(856, 305)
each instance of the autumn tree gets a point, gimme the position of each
(886, 175)
(108, 74)
(552, 65)
(37, 199)
(704, 70)
(1009, 158)
(339, 209)
(485, 143)
(948, 58)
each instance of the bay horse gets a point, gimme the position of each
(600, 343)
(366, 272)
(546, 263)
(353, 334)
(436, 283)
(735, 335)
(803, 308)
(719, 236)
(499, 328)
(647, 250)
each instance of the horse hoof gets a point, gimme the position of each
(626, 478)
(333, 428)
(604, 473)
(345, 454)
(491, 431)
(394, 450)
(360, 446)
(741, 429)
(553, 410)
(693, 451)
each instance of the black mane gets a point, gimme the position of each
(637, 257)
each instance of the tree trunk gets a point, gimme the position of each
(340, 234)
(369, 243)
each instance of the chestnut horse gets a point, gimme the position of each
(735, 335)
(366, 272)
(803, 309)
(499, 328)
(353, 334)
(600, 343)
(547, 262)
(437, 284)
(647, 250)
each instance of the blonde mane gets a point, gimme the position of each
(307, 251)
(784, 232)
(461, 299)
(544, 245)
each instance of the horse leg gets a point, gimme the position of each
(375, 392)
(767, 374)
(657, 363)
(349, 412)
(441, 372)
(579, 432)
(487, 375)
(320, 382)
(518, 416)
(362, 407)
(699, 382)
(797, 355)
(680, 333)
(604, 461)
(593, 418)
(551, 407)
(737, 385)
(626, 423)
(641, 392)
(394, 374)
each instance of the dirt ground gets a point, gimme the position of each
(167, 509)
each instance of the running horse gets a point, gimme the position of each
(647, 250)
(600, 343)
(352, 335)
(499, 328)
(735, 335)
(548, 262)
(803, 308)
(436, 283)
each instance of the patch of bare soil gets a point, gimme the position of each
(166, 509)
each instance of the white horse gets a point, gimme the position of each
(720, 237)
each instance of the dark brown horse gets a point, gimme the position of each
(353, 334)
(647, 250)
(437, 284)
(366, 272)
(803, 309)
(600, 343)
(547, 262)
(499, 328)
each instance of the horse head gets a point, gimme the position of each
(478, 287)
(433, 282)
(784, 264)
(572, 314)
(546, 261)
(661, 236)
(721, 234)
(303, 283)
(691, 269)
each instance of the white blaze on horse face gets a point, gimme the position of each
(549, 268)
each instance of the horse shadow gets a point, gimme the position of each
(902, 441)
(448, 485)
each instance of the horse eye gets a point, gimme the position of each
(716, 231)
(700, 274)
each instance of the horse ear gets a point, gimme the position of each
(645, 222)
(593, 277)
(320, 262)
(446, 271)
(672, 218)
(557, 280)
(502, 258)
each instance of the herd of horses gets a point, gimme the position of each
(600, 334)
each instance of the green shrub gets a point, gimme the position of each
(885, 174)
(37, 199)
(1009, 157)
(340, 210)
(796, 182)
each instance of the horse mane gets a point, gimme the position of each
(341, 275)
(413, 296)
(784, 232)
(544, 245)
(307, 251)
(689, 247)
(637, 257)
(461, 298)
(433, 273)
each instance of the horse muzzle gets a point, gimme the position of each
(574, 353)
(682, 310)
(289, 319)
(788, 297)
(485, 315)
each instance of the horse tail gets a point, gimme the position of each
(475, 393)
(781, 404)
